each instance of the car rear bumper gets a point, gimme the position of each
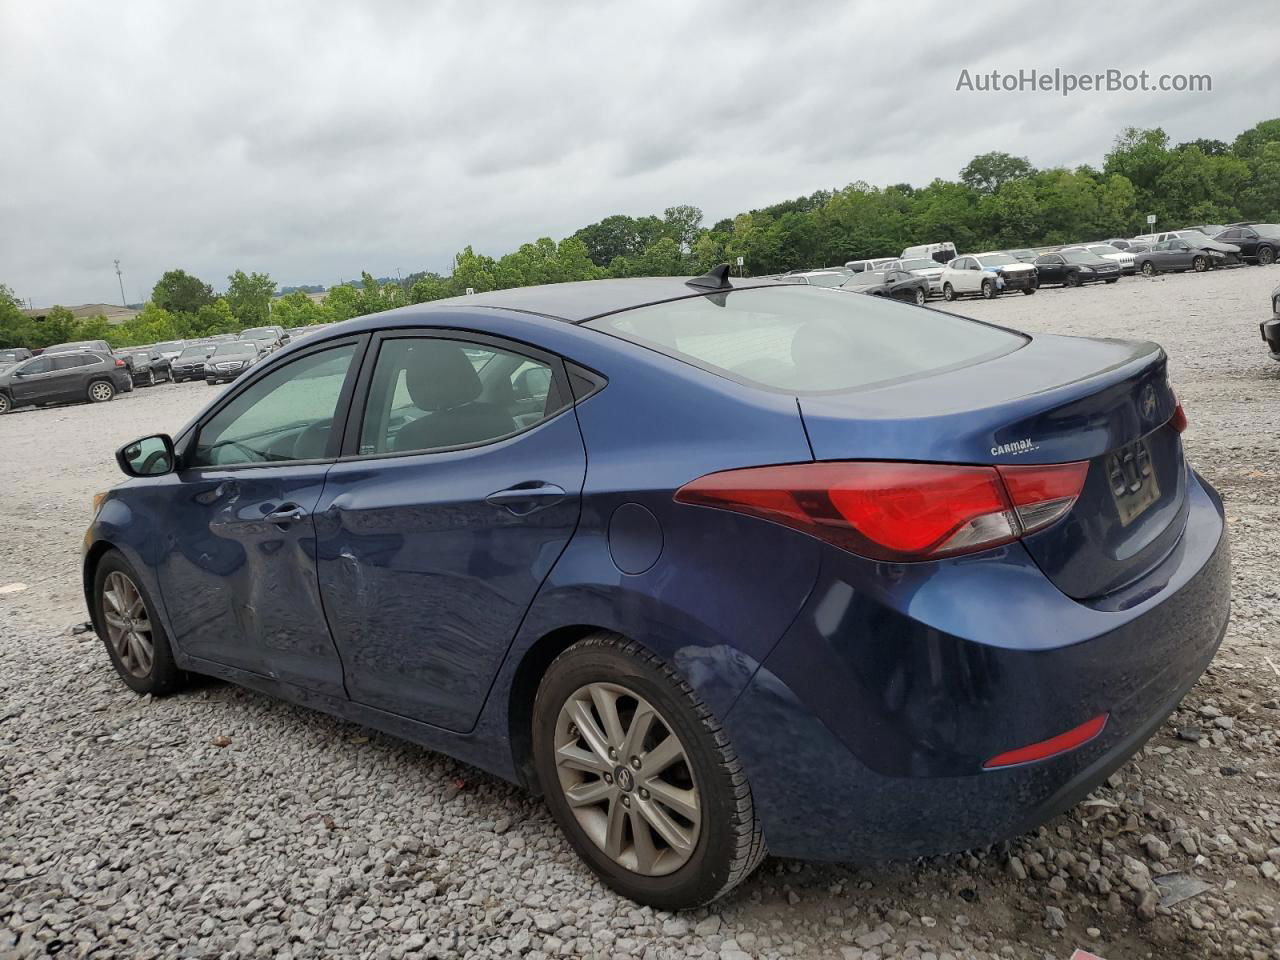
(865, 732)
(1271, 336)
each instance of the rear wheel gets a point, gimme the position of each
(920, 298)
(135, 641)
(948, 292)
(1028, 291)
(1148, 268)
(1199, 264)
(5, 404)
(989, 291)
(1266, 256)
(640, 776)
(100, 391)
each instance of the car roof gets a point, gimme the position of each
(584, 300)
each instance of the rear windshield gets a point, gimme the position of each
(234, 349)
(803, 340)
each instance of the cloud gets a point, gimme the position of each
(316, 142)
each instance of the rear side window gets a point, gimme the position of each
(805, 340)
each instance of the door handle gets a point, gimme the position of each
(286, 514)
(524, 498)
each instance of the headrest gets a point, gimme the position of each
(438, 376)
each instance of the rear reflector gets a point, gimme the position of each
(1076, 737)
(897, 511)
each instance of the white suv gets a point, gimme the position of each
(987, 275)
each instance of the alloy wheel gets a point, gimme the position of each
(101, 391)
(1266, 256)
(4, 404)
(128, 625)
(627, 779)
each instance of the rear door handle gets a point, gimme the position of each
(286, 514)
(525, 498)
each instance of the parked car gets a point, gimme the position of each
(189, 364)
(1122, 258)
(1072, 268)
(60, 377)
(711, 563)
(857, 266)
(10, 356)
(229, 360)
(169, 349)
(1177, 254)
(987, 275)
(1258, 242)
(1208, 229)
(1229, 251)
(818, 278)
(97, 346)
(943, 252)
(147, 367)
(894, 284)
(1271, 328)
(925, 267)
(1120, 243)
(267, 338)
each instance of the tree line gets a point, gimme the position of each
(998, 201)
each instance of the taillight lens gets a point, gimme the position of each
(119, 362)
(1179, 419)
(897, 511)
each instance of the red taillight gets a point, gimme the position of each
(1075, 737)
(119, 362)
(897, 511)
(1179, 419)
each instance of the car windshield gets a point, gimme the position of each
(867, 279)
(1267, 229)
(235, 349)
(259, 333)
(1083, 257)
(996, 260)
(1192, 236)
(1102, 249)
(920, 263)
(199, 351)
(833, 279)
(1019, 254)
(140, 355)
(800, 340)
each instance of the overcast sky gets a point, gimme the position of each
(313, 143)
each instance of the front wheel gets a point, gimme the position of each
(641, 777)
(100, 391)
(989, 291)
(1199, 264)
(920, 298)
(1073, 279)
(948, 292)
(1266, 256)
(1148, 268)
(136, 642)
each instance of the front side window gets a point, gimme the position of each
(38, 365)
(802, 340)
(287, 415)
(429, 393)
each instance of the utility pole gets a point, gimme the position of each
(120, 277)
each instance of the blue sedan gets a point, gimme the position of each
(707, 563)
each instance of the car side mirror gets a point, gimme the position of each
(150, 456)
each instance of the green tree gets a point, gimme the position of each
(297, 309)
(249, 296)
(179, 292)
(15, 328)
(988, 172)
(682, 223)
(429, 286)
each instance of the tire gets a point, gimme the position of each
(151, 377)
(1073, 280)
(921, 298)
(6, 405)
(1112, 280)
(1266, 256)
(1199, 264)
(100, 391)
(1149, 269)
(1029, 291)
(989, 291)
(145, 661)
(724, 837)
(948, 293)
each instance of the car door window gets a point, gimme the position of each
(38, 365)
(286, 415)
(431, 393)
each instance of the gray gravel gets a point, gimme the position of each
(220, 823)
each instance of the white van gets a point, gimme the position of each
(942, 252)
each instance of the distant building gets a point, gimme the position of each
(115, 314)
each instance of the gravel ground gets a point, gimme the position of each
(220, 823)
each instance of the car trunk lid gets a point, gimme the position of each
(1055, 400)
